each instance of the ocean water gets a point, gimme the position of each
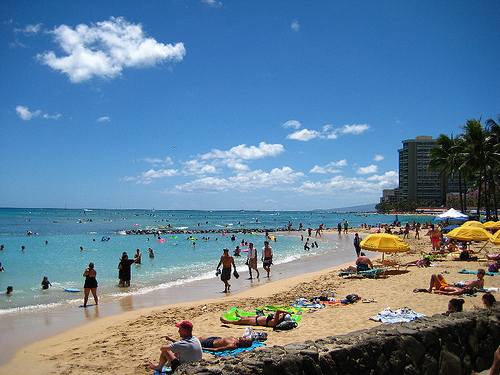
(53, 249)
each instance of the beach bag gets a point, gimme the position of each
(493, 267)
(285, 325)
(236, 274)
(351, 298)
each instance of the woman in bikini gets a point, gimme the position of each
(271, 320)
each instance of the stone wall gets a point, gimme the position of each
(458, 344)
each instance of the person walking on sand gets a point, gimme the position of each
(226, 260)
(357, 241)
(267, 257)
(435, 236)
(252, 260)
(90, 284)
(187, 349)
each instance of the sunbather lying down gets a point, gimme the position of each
(439, 285)
(271, 320)
(219, 344)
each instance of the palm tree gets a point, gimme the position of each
(494, 165)
(447, 158)
(475, 137)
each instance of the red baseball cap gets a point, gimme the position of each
(186, 325)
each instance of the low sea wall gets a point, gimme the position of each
(458, 344)
(204, 231)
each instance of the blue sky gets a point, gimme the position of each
(287, 105)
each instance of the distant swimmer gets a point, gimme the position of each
(1, 268)
(45, 283)
(10, 289)
(23, 248)
(81, 248)
(151, 253)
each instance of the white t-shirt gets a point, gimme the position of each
(252, 253)
(189, 349)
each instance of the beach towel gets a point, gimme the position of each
(369, 273)
(254, 345)
(291, 309)
(403, 315)
(475, 272)
(231, 314)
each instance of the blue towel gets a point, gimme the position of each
(254, 345)
(475, 272)
(164, 371)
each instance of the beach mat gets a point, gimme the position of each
(255, 344)
(475, 272)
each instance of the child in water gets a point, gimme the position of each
(45, 283)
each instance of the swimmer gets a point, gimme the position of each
(10, 289)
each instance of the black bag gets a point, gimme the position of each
(236, 274)
(351, 298)
(285, 325)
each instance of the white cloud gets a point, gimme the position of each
(378, 158)
(304, 135)
(354, 129)
(106, 48)
(330, 167)
(158, 161)
(30, 29)
(25, 114)
(327, 132)
(367, 170)
(53, 117)
(102, 119)
(264, 150)
(295, 26)
(193, 167)
(213, 3)
(244, 181)
(149, 176)
(292, 124)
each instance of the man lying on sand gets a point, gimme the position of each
(219, 344)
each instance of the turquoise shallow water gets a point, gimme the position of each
(53, 250)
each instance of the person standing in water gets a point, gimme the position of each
(226, 260)
(90, 284)
(267, 257)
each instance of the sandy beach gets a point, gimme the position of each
(125, 343)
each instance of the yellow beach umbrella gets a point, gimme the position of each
(469, 234)
(496, 238)
(384, 243)
(473, 223)
(489, 224)
(492, 225)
